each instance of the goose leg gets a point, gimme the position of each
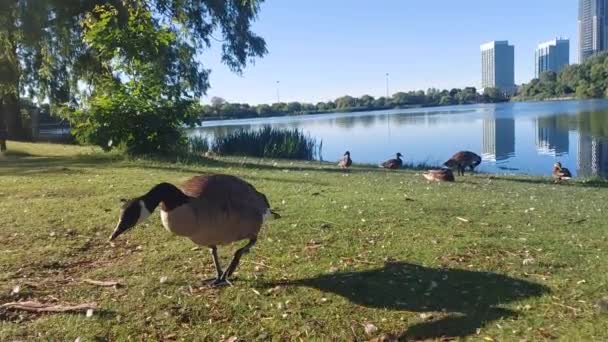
(218, 269)
(237, 258)
(216, 262)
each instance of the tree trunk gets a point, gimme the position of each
(3, 133)
(10, 80)
(12, 118)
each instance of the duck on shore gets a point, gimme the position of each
(210, 210)
(560, 173)
(345, 162)
(441, 175)
(393, 163)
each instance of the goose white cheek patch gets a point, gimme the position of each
(143, 213)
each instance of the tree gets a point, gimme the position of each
(107, 46)
(217, 102)
(294, 107)
(345, 102)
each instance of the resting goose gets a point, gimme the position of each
(560, 173)
(441, 175)
(210, 210)
(393, 163)
(345, 162)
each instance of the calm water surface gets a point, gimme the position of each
(512, 137)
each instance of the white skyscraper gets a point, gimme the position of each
(498, 66)
(553, 56)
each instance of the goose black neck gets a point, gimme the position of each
(165, 194)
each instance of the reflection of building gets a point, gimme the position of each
(498, 138)
(592, 36)
(553, 56)
(550, 139)
(498, 66)
(592, 156)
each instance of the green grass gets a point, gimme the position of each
(364, 247)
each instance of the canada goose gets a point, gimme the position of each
(345, 162)
(393, 163)
(463, 159)
(210, 210)
(441, 175)
(560, 173)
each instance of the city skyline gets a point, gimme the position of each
(327, 50)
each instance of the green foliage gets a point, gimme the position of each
(268, 143)
(583, 81)
(220, 109)
(198, 145)
(125, 72)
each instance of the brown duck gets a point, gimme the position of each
(441, 175)
(463, 159)
(560, 173)
(393, 163)
(345, 162)
(210, 210)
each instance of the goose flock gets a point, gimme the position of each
(215, 210)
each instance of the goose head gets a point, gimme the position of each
(347, 154)
(137, 210)
(132, 213)
(399, 155)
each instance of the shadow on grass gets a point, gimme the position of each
(468, 300)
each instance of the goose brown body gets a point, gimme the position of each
(221, 209)
(463, 159)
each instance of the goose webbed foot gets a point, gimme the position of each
(220, 282)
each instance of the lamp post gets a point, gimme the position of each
(387, 85)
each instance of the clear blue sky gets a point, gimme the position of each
(322, 49)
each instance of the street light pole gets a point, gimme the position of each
(387, 85)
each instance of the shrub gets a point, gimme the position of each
(268, 142)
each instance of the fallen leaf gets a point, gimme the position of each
(370, 329)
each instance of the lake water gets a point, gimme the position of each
(511, 137)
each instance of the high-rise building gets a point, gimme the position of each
(553, 56)
(498, 66)
(592, 30)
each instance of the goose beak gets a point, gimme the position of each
(120, 228)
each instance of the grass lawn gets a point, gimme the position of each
(489, 258)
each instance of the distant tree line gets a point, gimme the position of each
(222, 109)
(584, 81)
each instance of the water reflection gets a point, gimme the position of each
(515, 138)
(498, 138)
(551, 139)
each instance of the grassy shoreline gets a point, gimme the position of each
(504, 258)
